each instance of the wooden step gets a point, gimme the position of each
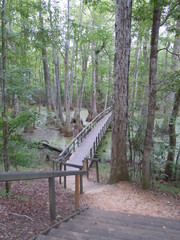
(133, 218)
(69, 235)
(43, 237)
(114, 231)
(124, 222)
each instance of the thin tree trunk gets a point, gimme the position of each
(172, 136)
(4, 93)
(46, 70)
(146, 173)
(81, 90)
(135, 75)
(57, 73)
(176, 166)
(71, 77)
(119, 170)
(93, 85)
(107, 101)
(175, 110)
(68, 128)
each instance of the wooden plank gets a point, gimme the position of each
(18, 176)
(112, 231)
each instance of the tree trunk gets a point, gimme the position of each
(71, 77)
(4, 94)
(93, 85)
(45, 66)
(109, 77)
(135, 75)
(78, 124)
(152, 98)
(175, 110)
(57, 73)
(119, 170)
(172, 137)
(68, 128)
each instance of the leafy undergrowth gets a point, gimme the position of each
(168, 188)
(25, 211)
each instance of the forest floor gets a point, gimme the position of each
(130, 198)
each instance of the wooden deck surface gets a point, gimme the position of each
(83, 150)
(95, 224)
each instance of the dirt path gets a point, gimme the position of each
(128, 197)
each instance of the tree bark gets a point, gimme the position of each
(68, 127)
(119, 170)
(93, 84)
(72, 76)
(174, 114)
(146, 172)
(4, 94)
(57, 73)
(109, 77)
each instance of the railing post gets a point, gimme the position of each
(97, 171)
(60, 169)
(64, 177)
(74, 146)
(52, 201)
(77, 192)
(81, 183)
(87, 168)
(91, 153)
(94, 147)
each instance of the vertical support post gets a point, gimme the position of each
(87, 168)
(81, 183)
(97, 171)
(60, 169)
(52, 201)
(64, 177)
(53, 165)
(77, 192)
(74, 147)
(91, 153)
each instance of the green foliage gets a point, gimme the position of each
(104, 168)
(167, 188)
(4, 193)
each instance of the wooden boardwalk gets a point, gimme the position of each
(84, 148)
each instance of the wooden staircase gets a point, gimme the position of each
(94, 224)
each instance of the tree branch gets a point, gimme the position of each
(176, 54)
(169, 13)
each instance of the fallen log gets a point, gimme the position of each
(45, 144)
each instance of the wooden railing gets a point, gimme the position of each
(99, 137)
(18, 176)
(64, 156)
(61, 163)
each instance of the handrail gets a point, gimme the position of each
(18, 176)
(75, 142)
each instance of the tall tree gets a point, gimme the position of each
(68, 127)
(175, 110)
(56, 69)
(152, 97)
(119, 170)
(4, 93)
